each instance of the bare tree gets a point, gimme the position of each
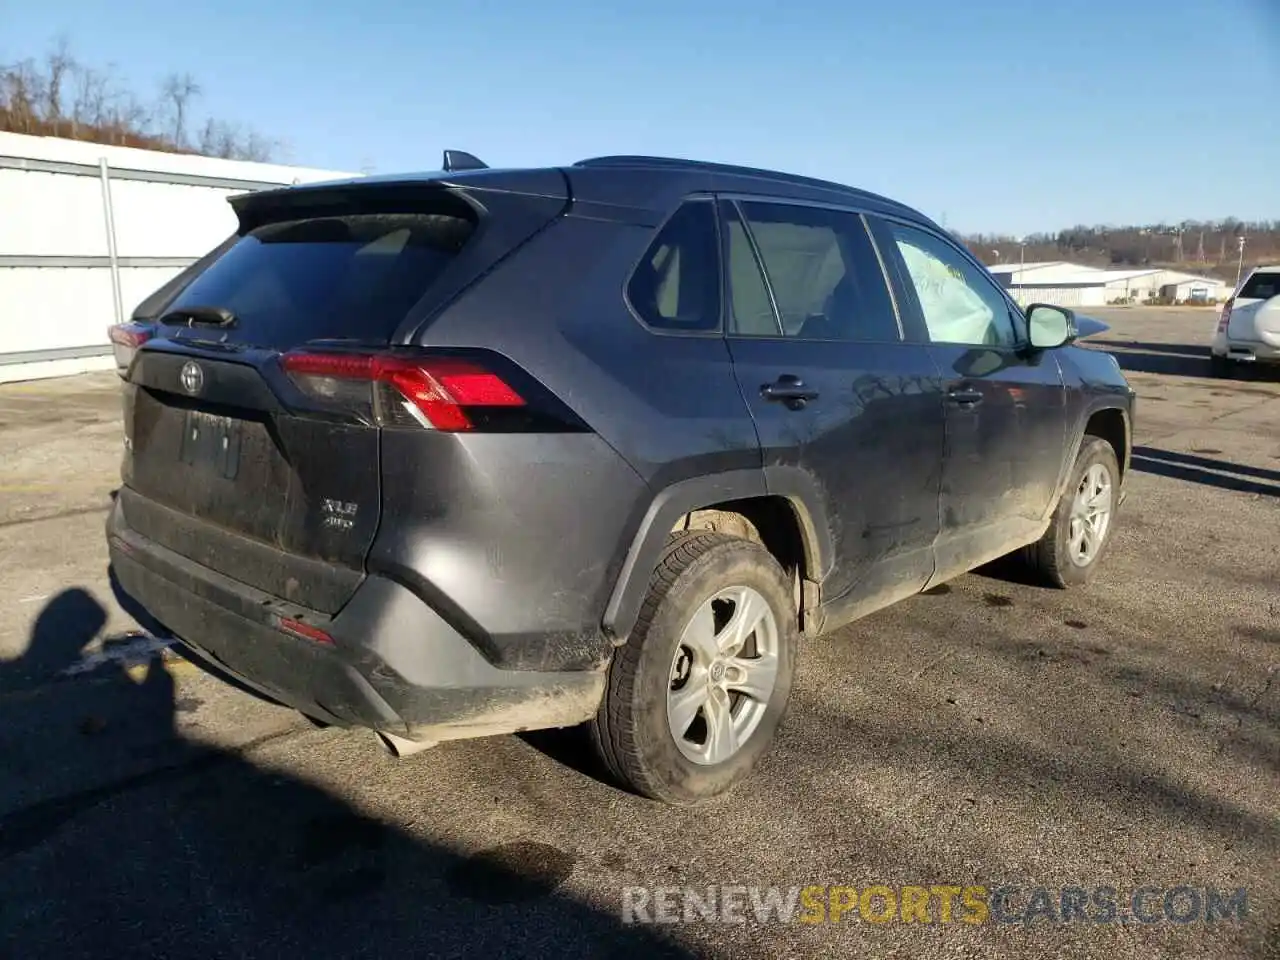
(256, 147)
(22, 95)
(59, 66)
(206, 141)
(59, 96)
(178, 90)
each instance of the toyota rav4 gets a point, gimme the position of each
(481, 451)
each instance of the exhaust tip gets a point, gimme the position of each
(401, 747)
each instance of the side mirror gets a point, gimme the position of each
(1049, 326)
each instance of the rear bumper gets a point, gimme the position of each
(394, 665)
(1251, 351)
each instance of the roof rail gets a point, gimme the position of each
(678, 164)
(461, 160)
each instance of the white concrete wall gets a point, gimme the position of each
(56, 293)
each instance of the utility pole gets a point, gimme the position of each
(1022, 264)
(1240, 262)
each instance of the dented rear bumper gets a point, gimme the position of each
(391, 662)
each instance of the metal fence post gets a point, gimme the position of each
(108, 213)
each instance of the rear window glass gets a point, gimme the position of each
(1261, 286)
(349, 277)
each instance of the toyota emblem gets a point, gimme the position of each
(192, 377)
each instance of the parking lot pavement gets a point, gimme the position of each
(991, 733)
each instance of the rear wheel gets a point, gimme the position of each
(698, 690)
(1080, 533)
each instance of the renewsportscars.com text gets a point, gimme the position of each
(937, 903)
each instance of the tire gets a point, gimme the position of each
(1219, 366)
(632, 732)
(1053, 556)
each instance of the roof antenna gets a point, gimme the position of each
(461, 160)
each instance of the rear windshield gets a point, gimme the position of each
(347, 277)
(1261, 286)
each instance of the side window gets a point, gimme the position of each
(676, 286)
(959, 304)
(751, 308)
(821, 268)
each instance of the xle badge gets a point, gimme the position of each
(339, 514)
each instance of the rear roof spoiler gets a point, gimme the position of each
(461, 160)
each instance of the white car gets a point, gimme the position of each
(1249, 329)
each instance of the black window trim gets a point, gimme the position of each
(718, 331)
(1020, 343)
(730, 320)
(737, 198)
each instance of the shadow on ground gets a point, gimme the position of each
(205, 853)
(1182, 360)
(1207, 470)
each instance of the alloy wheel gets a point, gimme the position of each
(1090, 515)
(722, 675)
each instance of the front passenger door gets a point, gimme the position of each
(1006, 412)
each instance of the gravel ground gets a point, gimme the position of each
(990, 734)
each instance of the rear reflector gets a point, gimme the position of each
(125, 339)
(435, 392)
(303, 630)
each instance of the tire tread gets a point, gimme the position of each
(611, 731)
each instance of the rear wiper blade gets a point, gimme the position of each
(200, 317)
(212, 344)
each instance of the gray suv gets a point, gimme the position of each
(481, 451)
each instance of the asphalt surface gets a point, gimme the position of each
(992, 733)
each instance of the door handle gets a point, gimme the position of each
(789, 390)
(965, 396)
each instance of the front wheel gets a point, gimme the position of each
(1080, 533)
(698, 690)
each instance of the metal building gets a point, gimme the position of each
(88, 231)
(1075, 285)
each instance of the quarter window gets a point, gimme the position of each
(821, 268)
(677, 283)
(959, 304)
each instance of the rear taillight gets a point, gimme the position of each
(440, 393)
(303, 631)
(126, 338)
(1226, 315)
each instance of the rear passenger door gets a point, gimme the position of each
(1005, 404)
(849, 413)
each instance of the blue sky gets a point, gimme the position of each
(997, 115)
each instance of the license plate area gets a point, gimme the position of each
(211, 443)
